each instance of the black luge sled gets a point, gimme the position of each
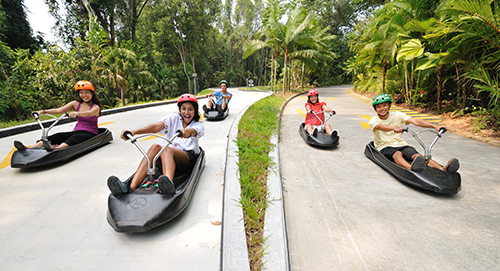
(145, 208)
(430, 178)
(36, 157)
(321, 140)
(217, 113)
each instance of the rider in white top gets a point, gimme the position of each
(181, 155)
(174, 122)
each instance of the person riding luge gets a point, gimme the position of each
(180, 155)
(222, 98)
(315, 114)
(387, 130)
(87, 109)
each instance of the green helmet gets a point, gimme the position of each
(382, 98)
(225, 82)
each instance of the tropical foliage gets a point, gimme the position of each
(442, 54)
(141, 50)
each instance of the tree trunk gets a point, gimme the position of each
(285, 86)
(133, 19)
(275, 68)
(112, 34)
(439, 86)
(302, 77)
(122, 95)
(182, 54)
(272, 71)
(384, 72)
(461, 89)
(90, 11)
(406, 83)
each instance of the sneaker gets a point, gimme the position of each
(418, 164)
(165, 185)
(146, 184)
(453, 165)
(220, 109)
(47, 145)
(334, 133)
(205, 108)
(315, 132)
(117, 187)
(19, 146)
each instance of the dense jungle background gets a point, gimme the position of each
(440, 55)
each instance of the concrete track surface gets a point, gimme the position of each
(344, 212)
(54, 218)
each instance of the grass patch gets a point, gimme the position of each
(255, 129)
(260, 88)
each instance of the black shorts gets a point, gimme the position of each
(71, 138)
(192, 159)
(408, 152)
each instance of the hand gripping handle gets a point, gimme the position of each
(128, 135)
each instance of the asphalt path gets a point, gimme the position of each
(54, 218)
(344, 212)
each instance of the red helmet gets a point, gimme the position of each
(312, 92)
(187, 98)
(83, 84)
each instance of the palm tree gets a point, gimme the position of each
(472, 28)
(271, 27)
(297, 38)
(118, 65)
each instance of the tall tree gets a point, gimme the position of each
(118, 18)
(299, 37)
(15, 29)
(184, 26)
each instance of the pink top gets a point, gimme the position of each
(88, 123)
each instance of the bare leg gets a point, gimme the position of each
(435, 164)
(224, 104)
(309, 129)
(171, 159)
(328, 129)
(142, 169)
(38, 144)
(61, 146)
(210, 104)
(431, 162)
(399, 160)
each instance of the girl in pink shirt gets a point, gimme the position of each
(87, 108)
(312, 122)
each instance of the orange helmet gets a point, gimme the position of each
(312, 92)
(83, 84)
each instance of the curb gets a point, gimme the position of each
(276, 256)
(234, 252)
